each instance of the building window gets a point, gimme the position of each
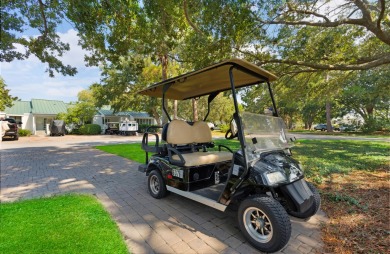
(17, 118)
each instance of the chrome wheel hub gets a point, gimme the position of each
(257, 224)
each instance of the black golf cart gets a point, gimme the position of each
(261, 177)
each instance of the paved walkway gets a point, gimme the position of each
(35, 168)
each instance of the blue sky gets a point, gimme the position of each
(28, 80)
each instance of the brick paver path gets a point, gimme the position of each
(170, 225)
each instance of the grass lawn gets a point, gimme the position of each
(61, 224)
(353, 179)
(134, 152)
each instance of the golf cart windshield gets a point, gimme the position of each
(263, 133)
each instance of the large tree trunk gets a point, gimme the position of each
(195, 109)
(164, 67)
(175, 109)
(328, 117)
(156, 116)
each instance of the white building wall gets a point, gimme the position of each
(27, 122)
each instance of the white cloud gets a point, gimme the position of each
(27, 79)
(75, 56)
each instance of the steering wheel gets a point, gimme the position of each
(232, 132)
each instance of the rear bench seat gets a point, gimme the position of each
(180, 133)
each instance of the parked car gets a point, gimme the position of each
(348, 128)
(13, 128)
(320, 127)
(211, 126)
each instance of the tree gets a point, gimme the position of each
(365, 23)
(121, 83)
(6, 99)
(45, 16)
(367, 93)
(115, 29)
(82, 111)
(296, 38)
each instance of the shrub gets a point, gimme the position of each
(90, 129)
(224, 127)
(24, 133)
(143, 127)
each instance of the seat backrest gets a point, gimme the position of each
(180, 132)
(202, 132)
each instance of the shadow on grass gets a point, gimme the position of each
(325, 157)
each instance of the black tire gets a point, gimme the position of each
(16, 137)
(264, 223)
(314, 208)
(156, 185)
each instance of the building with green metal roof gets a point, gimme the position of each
(106, 114)
(37, 113)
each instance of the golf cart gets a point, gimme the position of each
(128, 128)
(112, 128)
(261, 177)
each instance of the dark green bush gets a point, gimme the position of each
(90, 129)
(143, 127)
(224, 127)
(24, 133)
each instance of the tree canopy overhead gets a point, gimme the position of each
(300, 36)
(18, 16)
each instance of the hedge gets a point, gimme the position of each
(90, 129)
(24, 133)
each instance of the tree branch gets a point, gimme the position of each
(291, 9)
(185, 7)
(368, 64)
(42, 10)
(365, 21)
(381, 14)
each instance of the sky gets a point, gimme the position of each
(28, 80)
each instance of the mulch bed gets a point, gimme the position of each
(358, 207)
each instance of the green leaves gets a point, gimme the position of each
(5, 98)
(44, 16)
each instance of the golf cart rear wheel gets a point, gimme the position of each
(156, 185)
(313, 209)
(264, 223)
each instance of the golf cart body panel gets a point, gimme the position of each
(261, 172)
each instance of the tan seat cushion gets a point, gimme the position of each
(180, 133)
(203, 158)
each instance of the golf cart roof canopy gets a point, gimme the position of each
(214, 78)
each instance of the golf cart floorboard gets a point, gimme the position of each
(212, 192)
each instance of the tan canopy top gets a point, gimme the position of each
(214, 78)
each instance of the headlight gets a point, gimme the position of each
(275, 177)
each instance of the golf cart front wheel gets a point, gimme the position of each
(264, 223)
(156, 185)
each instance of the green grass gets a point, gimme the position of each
(134, 152)
(61, 224)
(321, 158)
(131, 151)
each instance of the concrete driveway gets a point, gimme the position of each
(45, 166)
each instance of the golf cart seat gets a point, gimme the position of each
(187, 144)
